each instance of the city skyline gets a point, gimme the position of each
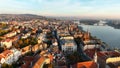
(77, 8)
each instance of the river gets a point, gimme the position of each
(107, 34)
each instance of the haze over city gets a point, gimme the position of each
(76, 8)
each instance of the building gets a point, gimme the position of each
(54, 42)
(87, 64)
(92, 46)
(7, 43)
(113, 59)
(68, 44)
(16, 54)
(101, 57)
(25, 50)
(78, 34)
(9, 56)
(26, 35)
(36, 61)
(41, 61)
(42, 38)
(5, 56)
(11, 34)
(86, 36)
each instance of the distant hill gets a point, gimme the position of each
(89, 22)
(19, 17)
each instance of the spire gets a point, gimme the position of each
(88, 28)
(88, 34)
(95, 57)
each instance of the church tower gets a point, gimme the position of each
(87, 36)
(95, 57)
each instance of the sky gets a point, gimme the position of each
(77, 8)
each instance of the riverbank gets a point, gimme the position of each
(106, 33)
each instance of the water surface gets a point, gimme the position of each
(106, 33)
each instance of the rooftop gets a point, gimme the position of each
(88, 64)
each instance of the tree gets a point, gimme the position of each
(20, 42)
(1, 49)
(26, 41)
(33, 41)
(16, 45)
(4, 65)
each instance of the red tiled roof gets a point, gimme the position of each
(91, 53)
(25, 49)
(51, 58)
(5, 53)
(39, 62)
(112, 53)
(88, 64)
(27, 60)
(7, 40)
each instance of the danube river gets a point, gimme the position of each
(107, 34)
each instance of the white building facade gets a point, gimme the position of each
(68, 44)
(10, 56)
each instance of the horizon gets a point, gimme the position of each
(63, 8)
(65, 17)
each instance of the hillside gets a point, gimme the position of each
(19, 17)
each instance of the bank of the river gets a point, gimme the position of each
(106, 33)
